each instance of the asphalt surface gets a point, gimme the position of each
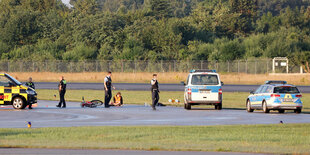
(110, 152)
(145, 86)
(47, 115)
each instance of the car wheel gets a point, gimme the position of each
(187, 106)
(218, 107)
(265, 108)
(248, 106)
(281, 111)
(297, 111)
(18, 103)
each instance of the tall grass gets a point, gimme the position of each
(170, 77)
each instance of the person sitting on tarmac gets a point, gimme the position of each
(117, 100)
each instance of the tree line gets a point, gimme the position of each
(221, 30)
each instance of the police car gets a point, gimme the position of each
(12, 92)
(203, 87)
(275, 95)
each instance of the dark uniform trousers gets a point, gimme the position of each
(62, 98)
(107, 98)
(155, 97)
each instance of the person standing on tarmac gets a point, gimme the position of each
(108, 89)
(62, 91)
(31, 85)
(155, 91)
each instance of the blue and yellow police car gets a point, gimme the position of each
(12, 92)
(275, 95)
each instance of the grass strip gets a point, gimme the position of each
(279, 138)
(231, 100)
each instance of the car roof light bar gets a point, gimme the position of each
(203, 70)
(276, 82)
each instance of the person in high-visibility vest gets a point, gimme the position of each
(31, 85)
(117, 100)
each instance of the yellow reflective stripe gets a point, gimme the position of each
(15, 91)
(288, 103)
(1, 89)
(256, 102)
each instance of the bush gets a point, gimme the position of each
(81, 52)
(227, 50)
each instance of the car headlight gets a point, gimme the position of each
(31, 92)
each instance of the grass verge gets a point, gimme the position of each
(279, 138)
(231, 100)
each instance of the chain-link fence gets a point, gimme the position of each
(238, 66)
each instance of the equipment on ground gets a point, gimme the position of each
(91, 104)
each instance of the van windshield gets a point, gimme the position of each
(16, 81)
(205, 79)
(286, 90)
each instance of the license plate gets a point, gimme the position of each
(205, 91)
(287, 100)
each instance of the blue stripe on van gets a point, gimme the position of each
(214, 89)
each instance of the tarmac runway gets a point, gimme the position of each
(146, 87)
(47, 115)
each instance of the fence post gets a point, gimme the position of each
(227, 66)
(21, 66)
(84, 66)
(109, 65)
(135, 65)
(201, 67)
(70, 65)
(122, 65)
(246, 66)
(238, 66)
(8, 66)
(255, 66)
(174, 66)
(161, 65)
(46, 66)
(267, 66)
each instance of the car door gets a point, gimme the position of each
(5, 90)
(263, 96)
(255, 98)
(186, 88)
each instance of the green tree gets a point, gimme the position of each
(160, 8)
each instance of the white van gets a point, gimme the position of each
(203, 87)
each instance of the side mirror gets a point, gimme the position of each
(222, 83)
(182, 83)
(252, 92)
